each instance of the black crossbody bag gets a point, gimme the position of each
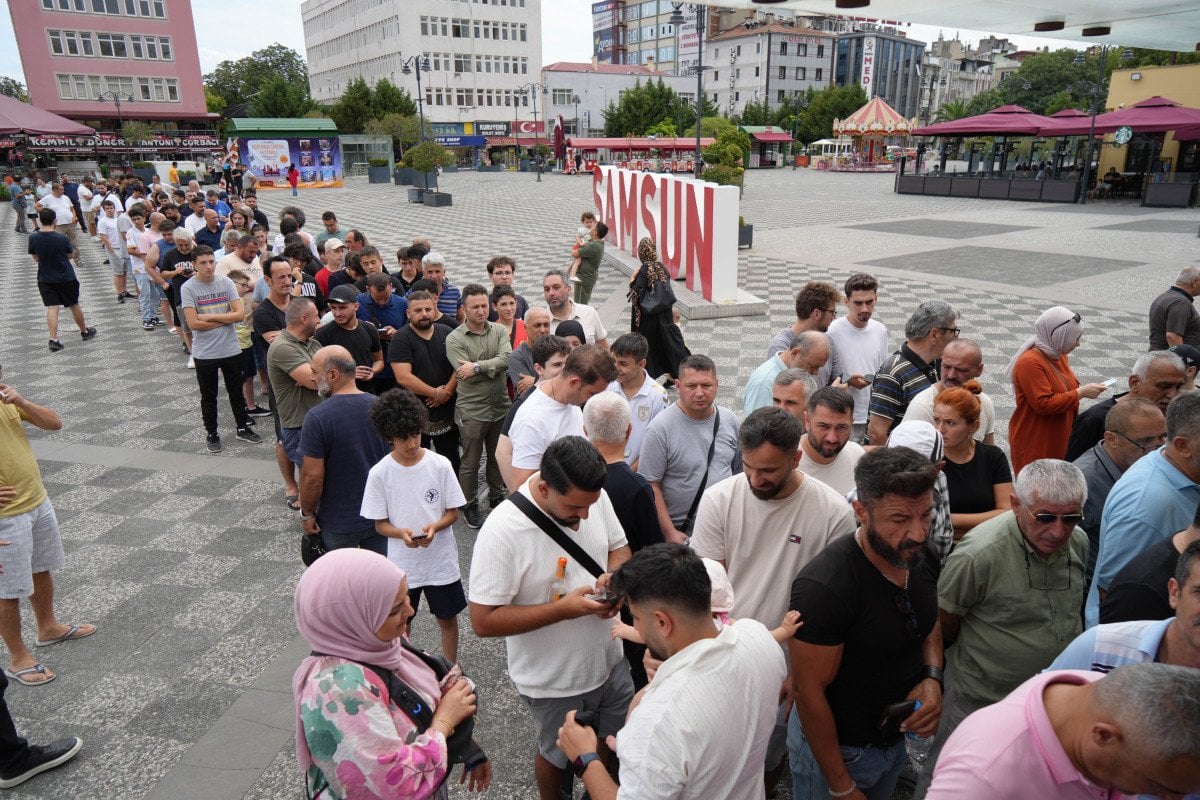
(554, 532)
(690, 520)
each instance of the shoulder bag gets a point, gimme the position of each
(712, 447)
(554, 532)
(659, 297)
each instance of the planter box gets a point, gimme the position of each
(492, 168)
(1060, 191)
(910, 184)
(1025, 190)
(437, 199)
(416, 195)
(453, 168)
(403, 176)
(939, 186)
(745, 236)
(377, 174)
(524, 165)
(1169, 195)
(994, 188)
(424, 180)
(964, 187)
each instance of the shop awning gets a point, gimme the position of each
(18, 117)
(532, 141)
(774, 136)
(501, 141)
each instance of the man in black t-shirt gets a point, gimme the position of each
(417, 355)
(1140, 590)
(358, 337)
(268, 320)
(56, 277)
(870, 638)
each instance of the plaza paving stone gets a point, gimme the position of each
(187, 562)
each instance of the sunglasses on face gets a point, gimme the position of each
(1046, 518)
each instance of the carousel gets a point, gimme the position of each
(869, 128)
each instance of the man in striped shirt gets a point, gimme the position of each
(911, 369)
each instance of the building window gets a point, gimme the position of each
(561, 97)
(756, 72)
(739, 50)
(737, 74)
(819, 76)
(716, 76)
(820, 51)
(737, 96)
(462, 63)
(801, 73)
(424, 26)
(758, 47)
(780, 96)
(801, 49)
(783, 48)
(56, 45)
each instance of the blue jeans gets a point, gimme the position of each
(367, 539)
(149, 296)
(874, 770)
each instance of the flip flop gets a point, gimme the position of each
(35, 669)
(74, 632)
(293, 502)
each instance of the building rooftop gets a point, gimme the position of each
(608, 69)
(303, 125)
(756, 28)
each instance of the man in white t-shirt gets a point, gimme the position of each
(243, 257)
(764, 525)
(556, 288)
(645, 395)
(962, 361)
(861, 343)
(64, 213)
(561, 654)
(88, 205)
(149, 294)
(555, 408)
(828, 454)
(114, 246)
(681, 741)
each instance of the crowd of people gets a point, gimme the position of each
(852, 571)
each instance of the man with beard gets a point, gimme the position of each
(871, 638)
(1009, 594)
(556, 289)
(827, 453)
(816, 308)
(359, 338)
(289, 365)
(764, 526)
(962, 361)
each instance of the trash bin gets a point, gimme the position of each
(801, 160)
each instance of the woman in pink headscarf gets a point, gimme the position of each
(1048, 393)
(353, 739)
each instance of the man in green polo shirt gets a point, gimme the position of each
(478, 351)
(289, 367)
(1010, 593)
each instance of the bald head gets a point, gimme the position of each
(334, 368)
(962, 361)
(809, 352)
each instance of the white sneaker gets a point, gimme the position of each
(95, 238)
(191, 362)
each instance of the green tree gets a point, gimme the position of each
(1060, 100)
(11, 87)
(427, 155)
(388, 98)
(723, 158)
(756, 114)
(952, 110)
(277, 98)
(713, 126)
(352, 112)
(237, 80)
(819, 108)
(648, 104)
(213, 101)
(664, 128)
(135, 132)
(404, 130)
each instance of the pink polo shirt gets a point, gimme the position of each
(1009, 751)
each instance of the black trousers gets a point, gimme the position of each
(445, 444)
(12, 747)
(232, 368)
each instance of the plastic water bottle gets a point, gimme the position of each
(917, 748)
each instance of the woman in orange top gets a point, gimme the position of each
(1047, 391)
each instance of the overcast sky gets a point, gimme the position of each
(566, 31)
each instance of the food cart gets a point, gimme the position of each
(660, 154)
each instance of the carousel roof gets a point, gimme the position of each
(876, 118)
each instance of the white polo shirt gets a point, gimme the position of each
(585, 315)
(64, 212)
(651, 398)
(921, 408)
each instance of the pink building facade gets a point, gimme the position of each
(75, 51)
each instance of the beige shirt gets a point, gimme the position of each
(839, 474)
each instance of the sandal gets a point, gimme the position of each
(36, 669)
(293, 502)
(74, 632)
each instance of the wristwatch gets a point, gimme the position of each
(931, 671)
(477, 368)
(580, 764)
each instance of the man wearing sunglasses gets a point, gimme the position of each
(1009, 594)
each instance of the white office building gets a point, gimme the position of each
(766, 60)
(595, 86)
(479, 51)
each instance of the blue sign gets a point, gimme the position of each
(461, 141)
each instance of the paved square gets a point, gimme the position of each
(940, 228)
(1005, 266)
(1153, 226)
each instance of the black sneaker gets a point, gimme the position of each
(147, 326)
(247, 435)
(39, 759)
(120, 298)
(250, 423)
(259, 411)
(214, 443)
(129, 295)
(87, 333)
(472, 516)
(55, 345)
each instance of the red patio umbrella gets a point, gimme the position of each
(18, 117)
(1011, 120)
(1152, 115)
(1190, 134)
(1068, 113)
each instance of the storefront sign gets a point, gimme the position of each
(693, 222)
(491, 128)
(461, 141)
(319, 161)
(448, 129)
(868, 64)
(160, 141)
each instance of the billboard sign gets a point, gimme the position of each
(318, 159)
(868, 65)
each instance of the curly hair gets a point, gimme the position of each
(399, 414)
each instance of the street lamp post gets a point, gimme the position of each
(1095, 90)
(677, 20)
(117, 97)
(406, 68)
(575, 100)
(533, 89)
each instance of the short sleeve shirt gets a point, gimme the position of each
(540, 421)
(901, 378)
(1173, 311)
(53, 251)
(585, 315)
(214, 297)
(361, 342)
(292, 400)
(428, 361)
(674, 451)
(340, 433)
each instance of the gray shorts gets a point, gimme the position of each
(120, 265)
(610, 700)
(36, 547)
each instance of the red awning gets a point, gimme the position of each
(18, 117)
(772, 136)
(1152, 115)
(638, 143)
(1011, 120)
(532, 141)
(501, 141)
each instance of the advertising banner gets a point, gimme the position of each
(318, 159)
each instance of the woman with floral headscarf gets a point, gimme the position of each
(353, 738)
(666, 340)
(1047, 391)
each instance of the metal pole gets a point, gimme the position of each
(1094, 108)
(699, 81)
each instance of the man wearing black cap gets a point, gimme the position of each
(359, 337)
(1191, 363)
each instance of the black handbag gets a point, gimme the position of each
(659, 297)
(311, 548)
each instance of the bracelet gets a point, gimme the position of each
(300, 514)
(449, 727)
(846, 793)
(934, 673)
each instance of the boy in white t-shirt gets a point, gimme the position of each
(414, 496)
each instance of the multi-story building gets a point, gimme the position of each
(952, 71)
(102, 62)
(479, 52)
(766, 60)
(579, 93)
(880, 58)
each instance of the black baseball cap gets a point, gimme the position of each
(344, 294)
(1189, 354)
